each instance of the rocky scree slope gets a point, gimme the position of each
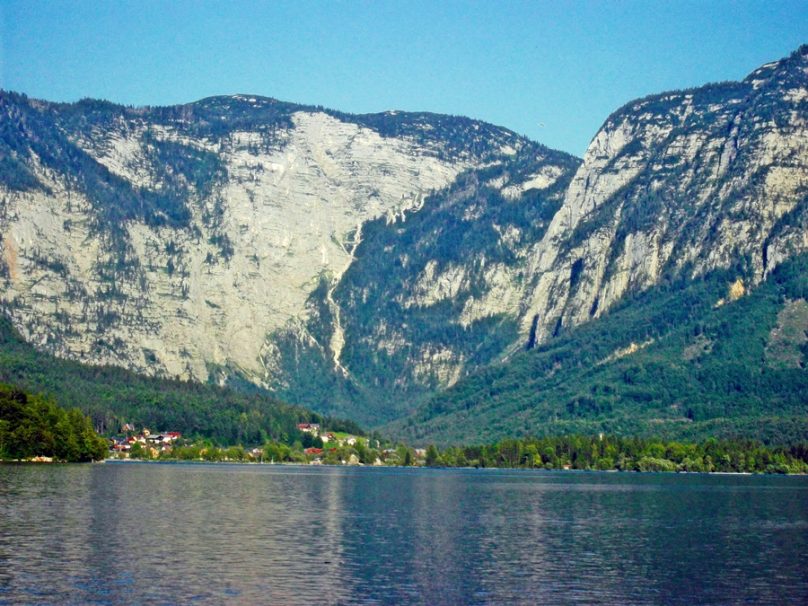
(175, 241)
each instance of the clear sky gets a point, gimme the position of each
(550, 70)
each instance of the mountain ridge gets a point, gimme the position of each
(360, 264)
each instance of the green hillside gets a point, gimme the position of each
(113, 396)
(681, 361)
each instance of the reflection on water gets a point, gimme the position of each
(221, 534)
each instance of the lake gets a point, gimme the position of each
(134, 533)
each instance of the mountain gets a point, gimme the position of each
(678, 184)
(672, 187)
(684, 201)
(378, 265)
(180, 241)
(430, 296)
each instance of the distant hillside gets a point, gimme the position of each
(686, 360)
(113, 396)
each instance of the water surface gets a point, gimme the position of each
(247, 534)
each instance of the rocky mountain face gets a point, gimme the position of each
(668, 361)
(674, 185)
(431, 295)
(177, 241)
(678, 183)
(359, 264)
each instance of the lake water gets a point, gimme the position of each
(129, 533)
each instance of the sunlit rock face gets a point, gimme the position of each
(678, 184)
(175, 241)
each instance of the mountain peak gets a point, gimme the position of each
(793, 66)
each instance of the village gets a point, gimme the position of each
(315, 447)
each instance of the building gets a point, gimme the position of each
(312, 428)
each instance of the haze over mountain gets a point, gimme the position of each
(361, 264)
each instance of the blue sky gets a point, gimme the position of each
(550, 70)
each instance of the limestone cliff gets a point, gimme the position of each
(174, 241)
(678, 183)
(359, 264)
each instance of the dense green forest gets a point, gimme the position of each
(680, 361)
(113, 396)
(34, 426)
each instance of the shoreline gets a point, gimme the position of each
(439, 468)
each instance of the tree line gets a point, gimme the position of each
(576, 452)
(607, 453)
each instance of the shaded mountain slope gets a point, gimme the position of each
(431, 295)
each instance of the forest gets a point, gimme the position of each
(34, 426)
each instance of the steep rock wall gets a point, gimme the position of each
(679, 183)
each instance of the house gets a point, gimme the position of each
(120, 445)
(312, 428)
(163, 437)
(313, 451)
